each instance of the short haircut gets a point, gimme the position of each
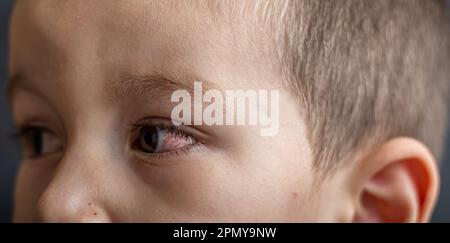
(364, 71)
(367, 71)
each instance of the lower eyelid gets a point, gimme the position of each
(156, 158)
(51, 159)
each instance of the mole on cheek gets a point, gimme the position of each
(95, 213)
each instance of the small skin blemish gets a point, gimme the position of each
(294, 195)
(89, 204)
(95, 214)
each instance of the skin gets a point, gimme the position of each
(69, 55)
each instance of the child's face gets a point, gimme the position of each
(74, 93)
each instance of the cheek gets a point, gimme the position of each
(278, 191)
(198, 188)
(216, 189)
(278, 181)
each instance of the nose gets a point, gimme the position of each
(73, 195)
(70, 209)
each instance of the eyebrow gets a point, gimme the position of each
(128, 85)
(154, 84)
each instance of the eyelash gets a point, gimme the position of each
(21, 133)
(177, 131)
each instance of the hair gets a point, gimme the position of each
(365, 71)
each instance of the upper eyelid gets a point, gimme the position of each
(195, 131)
(27, 128)
(19, 82)
(48, 126)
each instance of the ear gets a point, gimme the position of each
(399, 182)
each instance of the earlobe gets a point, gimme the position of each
(399, 183)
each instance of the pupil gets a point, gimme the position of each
(150, 139)
(37, 142)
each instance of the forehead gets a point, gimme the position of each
(114, 18)
(70, 52)
(72, 26)
(140, 34)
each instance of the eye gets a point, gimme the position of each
(39, 141)
(162, 139)
(149, 137)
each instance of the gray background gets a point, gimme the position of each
(9, 155)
